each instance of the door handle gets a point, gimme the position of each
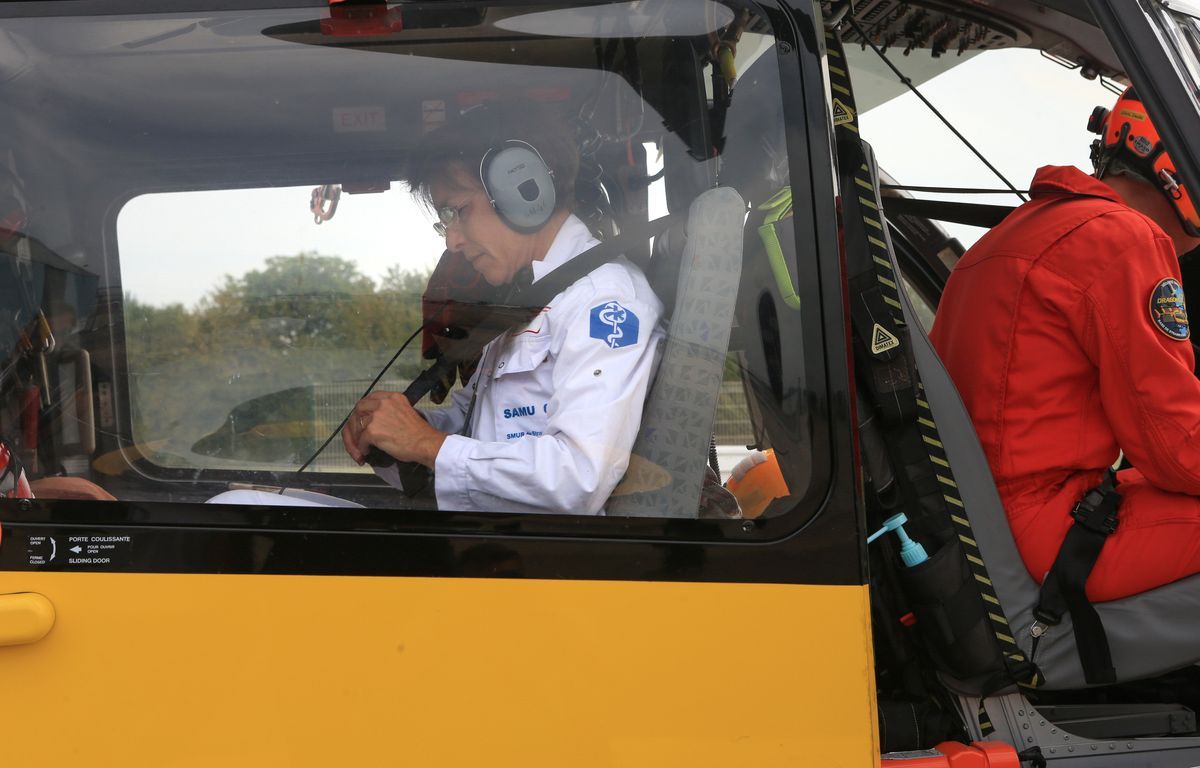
(25, 617)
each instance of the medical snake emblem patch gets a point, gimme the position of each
(615, 325)
(1168, 310)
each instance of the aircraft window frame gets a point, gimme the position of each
(1183, 30)
(816, 375)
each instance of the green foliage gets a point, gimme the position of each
(310, 301)
(403, 281)
(159, 332)
(308, 323)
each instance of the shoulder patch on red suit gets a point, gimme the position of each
(1168, 310)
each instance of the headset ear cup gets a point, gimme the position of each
(519, 185)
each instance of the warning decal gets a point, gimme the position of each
(841, 113)
(881, 340)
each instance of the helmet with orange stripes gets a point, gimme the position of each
(1127, 134)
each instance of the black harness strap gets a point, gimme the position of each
(537, 295)
(526, 300)
(1063, 589)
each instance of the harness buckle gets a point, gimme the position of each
(1097, 517)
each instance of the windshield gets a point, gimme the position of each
(227, 221)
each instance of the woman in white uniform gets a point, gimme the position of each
(548, 419)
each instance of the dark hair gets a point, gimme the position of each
(466, 139)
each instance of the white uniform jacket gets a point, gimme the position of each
(559, 401)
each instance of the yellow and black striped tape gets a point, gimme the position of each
(846, 118)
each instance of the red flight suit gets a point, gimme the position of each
(1065, 332)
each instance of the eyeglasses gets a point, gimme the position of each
(448, 215)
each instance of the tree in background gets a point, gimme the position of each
(299, 323)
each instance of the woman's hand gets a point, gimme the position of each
(387, 421)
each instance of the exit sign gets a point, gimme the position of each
(355, 119)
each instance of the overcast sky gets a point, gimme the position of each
(232, 232)
(1020, 110)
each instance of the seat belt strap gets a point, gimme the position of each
(1063, 590)
(526, 301)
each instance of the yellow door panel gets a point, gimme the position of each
(205, 670)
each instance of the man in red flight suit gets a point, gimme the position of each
(1065, 331)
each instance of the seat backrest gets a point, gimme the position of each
(667, 465)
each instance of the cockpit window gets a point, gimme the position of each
(232, 221)
(253, 325)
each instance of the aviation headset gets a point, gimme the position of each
(1126, 132)
(519, 185)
